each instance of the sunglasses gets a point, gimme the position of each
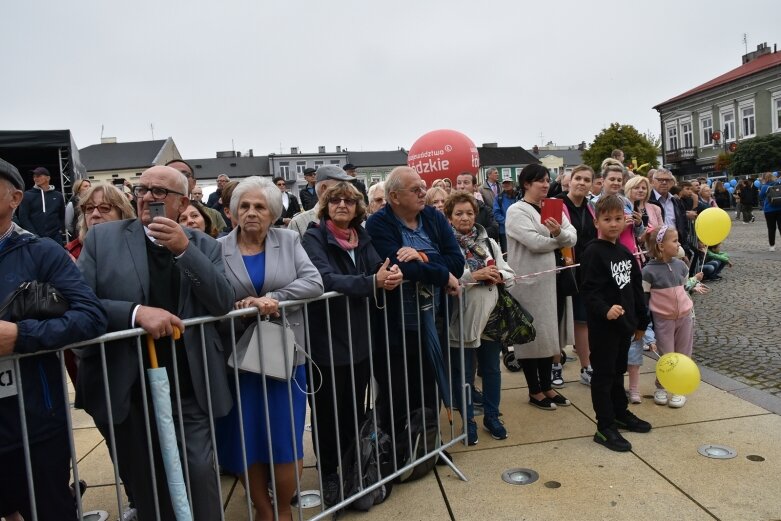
(338, 200)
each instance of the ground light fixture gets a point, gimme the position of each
(717, 451)
(307, 499)
(520, 476)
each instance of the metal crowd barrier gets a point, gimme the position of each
(229, 321)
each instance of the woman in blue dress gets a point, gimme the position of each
(266, 265)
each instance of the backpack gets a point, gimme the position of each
(773, 194)
(422, 425)
(376, 450)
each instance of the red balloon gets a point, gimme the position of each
(443, 153)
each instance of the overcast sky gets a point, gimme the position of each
(365, 75)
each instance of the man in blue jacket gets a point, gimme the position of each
(420, 241)
(503, 201)
(42, 211)
(25, 257)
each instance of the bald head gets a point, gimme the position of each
(169, 179)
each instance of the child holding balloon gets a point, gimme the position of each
(666, 282)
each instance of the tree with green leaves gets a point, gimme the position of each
(759, 154)
(635, 145)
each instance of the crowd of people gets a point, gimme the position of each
(610, 275)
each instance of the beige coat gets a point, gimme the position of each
(477, 300)
(530, 249)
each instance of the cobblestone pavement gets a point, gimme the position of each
(738, 331)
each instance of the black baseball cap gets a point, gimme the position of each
(309, 171)
(349, 166)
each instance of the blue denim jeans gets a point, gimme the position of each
(487, 356)
(712, 268)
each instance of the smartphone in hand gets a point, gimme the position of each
(156, 209)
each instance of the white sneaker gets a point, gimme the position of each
(585, 375)
(557, 381)
(677, 401)
(660, 397)
(772, 248)
(634, 397)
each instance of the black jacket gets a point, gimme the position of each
(485, 218)
(308, 200)
(292, 209)
(610, 275)
(353, 279)
(43, 213)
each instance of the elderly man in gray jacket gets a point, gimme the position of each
(152, 273)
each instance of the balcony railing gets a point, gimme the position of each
(680, 154)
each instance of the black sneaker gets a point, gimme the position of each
(331, 489)
(632, 423)
(612, 439)
(471, 433)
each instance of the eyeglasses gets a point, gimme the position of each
(281, 185)
(663, 179)
(157, 192)
(338, 200)
(418, 190)
(102, 208)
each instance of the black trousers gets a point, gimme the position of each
(50, 461)
(334, 408)
(136, 472)
(538, 373)
(609, 350)
(392, 393)
(773, 221)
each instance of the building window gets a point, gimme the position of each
(706, 127)
(687, 135)
(318, 164)
(335, 161)
(747, 122)
(284, 171)
(728, 125)
(672, 137)
(300, 167)
(775, 107)
(506, 173)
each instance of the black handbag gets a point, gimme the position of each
(509, 323)
(34, 300)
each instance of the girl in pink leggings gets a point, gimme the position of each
(665, 279)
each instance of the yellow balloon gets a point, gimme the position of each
(712, 226)
(678, 373)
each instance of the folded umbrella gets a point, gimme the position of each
(166, 432)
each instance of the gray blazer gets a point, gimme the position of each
(114, 264)
(290, 275)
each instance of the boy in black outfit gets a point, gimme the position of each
(613, 294)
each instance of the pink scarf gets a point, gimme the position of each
(347, 239)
